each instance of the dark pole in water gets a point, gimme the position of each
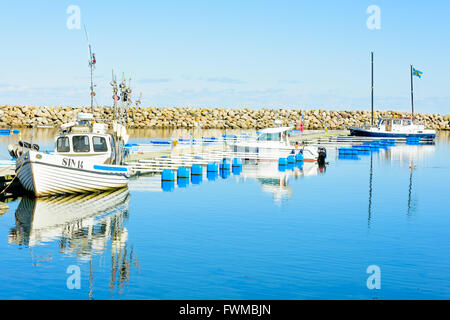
(412, 94)
(372, 88)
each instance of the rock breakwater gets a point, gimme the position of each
(209, 118)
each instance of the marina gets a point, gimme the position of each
(231, 157)
(152, 218)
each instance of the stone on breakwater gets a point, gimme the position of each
(209, 118)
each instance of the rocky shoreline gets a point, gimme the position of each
(208, 118)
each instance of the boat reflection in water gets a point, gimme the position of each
(276, 181)
(83, 225)
(409, 154)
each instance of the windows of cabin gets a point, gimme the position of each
(81, 144)
(270, 136)
(62, 144)
(99, 144)
(397, 122)
(407, 122)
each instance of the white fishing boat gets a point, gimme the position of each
(84, 160)
(395, 128)
(273, 143)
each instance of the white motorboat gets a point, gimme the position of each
(273, 143)
(85, 160)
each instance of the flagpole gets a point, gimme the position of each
(372, 88)
(412, 94)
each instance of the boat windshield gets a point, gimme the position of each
(81, 144)
(62, 144)
(270, 136)
(99, 144)
(407, 122)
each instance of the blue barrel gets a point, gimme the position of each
(212, 167)
(212, 175)
(16, 131)
(291, 160)
(299, 157)
(196, 170)
(348, 151)
(225, 164)
(282, 162)
(183, 173)
(282, 168)
(224, 174)
(237, 170)
(182, 183)
(290, 166)
(196, 179)
(237, 162)
(168, 175)
(167, 186)
(299, 165)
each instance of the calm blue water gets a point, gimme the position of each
(261, 235)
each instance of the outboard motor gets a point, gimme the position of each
(322, 156)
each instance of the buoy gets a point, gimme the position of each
(212, 175)
(290, 160)
(183, 173)
(282, 162)
(196, 170)
(196, 179)
(168, 186)
(225, 165)
(212, 167)
(182, 182)
(299, 157)
(237, 162)
(168, 175)
(237, 170)
(348, 151)
(224, 173)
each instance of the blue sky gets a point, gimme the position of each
(280, 54)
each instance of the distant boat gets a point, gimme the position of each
(395, 128)
(404, 127)
(273, 143)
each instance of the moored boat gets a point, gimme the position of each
(395, 128)
(273, 143)
(84, 160)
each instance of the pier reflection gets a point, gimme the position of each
(83, 226)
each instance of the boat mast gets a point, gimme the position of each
(412, 94)
(92, 62)
(372, 89)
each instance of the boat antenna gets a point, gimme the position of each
(92, 62)
(139, 101)
(115, 97)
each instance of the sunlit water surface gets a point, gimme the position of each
(263, 234)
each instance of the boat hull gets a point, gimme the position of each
(45, 175)
(273, 153)
(368, 133)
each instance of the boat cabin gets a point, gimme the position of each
(398, 125)
(85, 139)
(274, 135)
